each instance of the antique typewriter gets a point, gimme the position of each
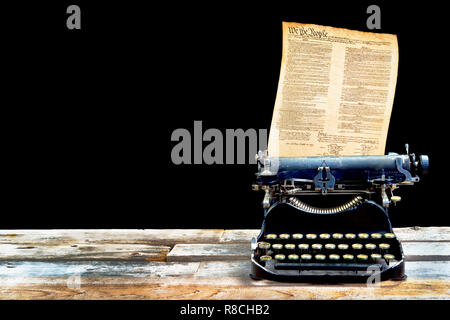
(326, 218)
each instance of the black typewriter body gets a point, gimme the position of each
(320, 227)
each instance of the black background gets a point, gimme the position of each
(88, 114)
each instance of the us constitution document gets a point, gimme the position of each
(335, 92)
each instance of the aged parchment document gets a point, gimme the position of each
(335, 92)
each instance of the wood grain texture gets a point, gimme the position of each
(88, 269)
(167, 237)
(141, 269)
(202, 264)
(416, 234)
(414, 251)
(39, 252)
(426, 251)
(241, 269)
(225, 288)
(205, 252)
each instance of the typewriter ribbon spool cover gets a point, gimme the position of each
(327, 183)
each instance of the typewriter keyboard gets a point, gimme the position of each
(321, 250)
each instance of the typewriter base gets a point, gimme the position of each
(395, 273)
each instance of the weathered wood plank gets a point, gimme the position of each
(206, 269)
(414, 251)
(219, 288)
(88, 269)
(170, 237)
(434, 234)
(205, 252)
(167, 237)
(13, 252)
(427, 251)
(428, 269)
(241, 269)
(239, 235)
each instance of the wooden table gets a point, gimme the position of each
(189, 264)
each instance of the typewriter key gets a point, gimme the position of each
(306, 256)
(330, 246)
(334, 257)
(357, 246)
(384, 246)
(303, 246)
(371, 246)
(316, 246)
(363, 235)
(342, 246)
(362, 257)
(264, 245)
(350, 236)
(347, 257)
(324, 236)
(284, 236)
(375, 256)
(338, 235)
(311, 236)
(277, 246)
(293, 257)
(297, 236)
(280, 257)
(375, 235)
(265, 258)
(389, 257)
(289, 246)
(389, 235)
(271, 236)
(320, 257)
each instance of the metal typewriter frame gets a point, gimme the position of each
(285, 189)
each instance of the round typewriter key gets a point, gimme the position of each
(342, 246)
(316, 246)
(303, 246)
(357, 246)
(334, 257)
(265, 258)
(311, 236)
(264, 245)
(289, 246)
(338, 235)
(347, 257)
(293, 257)
(371, 246)
(277, 246)
(330, 246)
(389, 235)
(297, 236)
(350, 235)
(306, 256)
(362, 257)
(324, 236)
(375, 235)
(320, 257)
(271, 236)
(280, 257)
(389, 257)
(363, 235)
(384, 246)
(284, 236)
(375, 256)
